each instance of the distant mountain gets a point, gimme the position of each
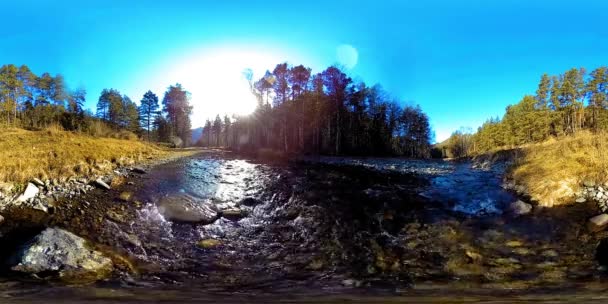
(196, 135)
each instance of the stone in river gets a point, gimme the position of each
(63, 254)
(598, 222)
(208, 243)
(187, 209)
(234, 214)
(581, 200)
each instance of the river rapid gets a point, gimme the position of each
(326, 230)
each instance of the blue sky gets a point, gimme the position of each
(462, 61)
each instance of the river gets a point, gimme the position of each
(328, 230)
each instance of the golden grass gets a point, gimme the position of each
(54, 153)
(554, 171)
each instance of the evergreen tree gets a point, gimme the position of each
(148, 110)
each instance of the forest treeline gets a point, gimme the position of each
(297, 112)
(37, 102)
(563, 105)
(325, 113)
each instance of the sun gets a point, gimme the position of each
(217, 83)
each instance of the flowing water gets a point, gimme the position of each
(331, 230)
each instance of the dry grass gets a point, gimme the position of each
(54, 153)
(553, 171)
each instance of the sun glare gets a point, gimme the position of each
(216, 81)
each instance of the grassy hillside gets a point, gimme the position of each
(554, 170)
(59, 154)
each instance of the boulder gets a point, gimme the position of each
(63, 254)
(187, 209)
(176, 142)
(30, 192)
(598, 222)
(520, 208)
(101, 184)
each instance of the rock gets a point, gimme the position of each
(176, 141)
(126, 196)
(234, 214)
(38, 182)
(59, 252)
(250, 201)
(520, 208)
(101, 184)
(139, 170)
(1, 219)
(208, 243)
(188, 209)
(589, 183)
(30, 192)
(598, 222)
(581, 200)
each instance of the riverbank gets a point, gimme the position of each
(562, 171)
(312, 229)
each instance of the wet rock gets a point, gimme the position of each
(208, 243)
(581, 200)
(138, 170)
(101, 184)
(126, 196)
(234, 213)
(30, 192)
(250, 201)
(598, 222)
(58, 252)
(38, 182)
(520, 208)
(187, 209)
